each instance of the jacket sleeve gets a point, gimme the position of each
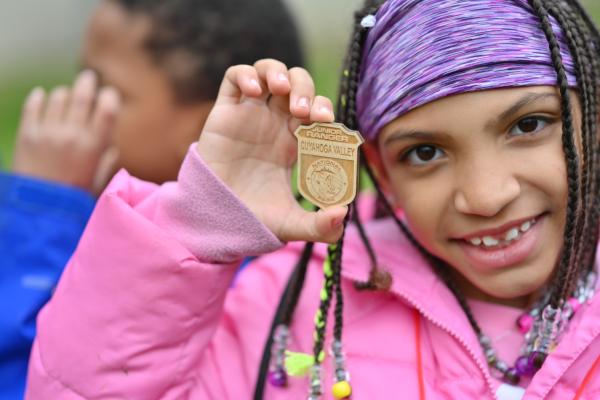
(40, 225)
(141, 297)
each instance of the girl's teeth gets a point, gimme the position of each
(511, 234)
(475, 241)
(525, 226)
(490, 241)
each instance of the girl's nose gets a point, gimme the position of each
(485, 188)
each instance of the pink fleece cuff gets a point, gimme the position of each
(208, 218)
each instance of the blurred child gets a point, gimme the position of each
(152, 73)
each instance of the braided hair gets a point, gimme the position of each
(581, 225)
(580, 234)
(583, 203)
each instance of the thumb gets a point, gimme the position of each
(325, 225)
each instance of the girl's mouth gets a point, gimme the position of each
(504, 247)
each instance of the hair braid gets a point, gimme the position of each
(589, 23)
(283, 314)
(590, 43)
(347, 107)
(363, 234)
(587, 41)
(326, 294)
(566, 258)
(577, 49)
(298, 278)
(339, 299)
(346, 111)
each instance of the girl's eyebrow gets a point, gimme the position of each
(411, 135)
(520, 104)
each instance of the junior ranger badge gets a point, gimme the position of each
(328, 163)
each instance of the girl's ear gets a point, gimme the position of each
(373, 158)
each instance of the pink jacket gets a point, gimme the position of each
(146, 310)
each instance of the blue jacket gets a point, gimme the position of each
(40, 226)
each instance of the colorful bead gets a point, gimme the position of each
(339, 361)
(341, 390)
(316, 388)
(524, 366)
(501, 366)
(536, 359)
(525, 322)
(298, 364)
(490, 356)
(278, 378)
(574, 303)
(542, 327)
(512, 376)
(277, 375)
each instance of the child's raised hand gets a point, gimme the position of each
(64, 138)
(248, 142)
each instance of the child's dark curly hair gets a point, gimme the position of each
(196, 41)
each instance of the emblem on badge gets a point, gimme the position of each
(328, 163)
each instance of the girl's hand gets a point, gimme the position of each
(65, 138)
(248, 142)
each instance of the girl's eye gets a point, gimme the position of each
(528, 126)
(423, 154)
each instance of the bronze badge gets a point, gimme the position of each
(328, 163)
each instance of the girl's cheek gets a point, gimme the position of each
(426, 201)
(420, 216)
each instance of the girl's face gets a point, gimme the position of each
(481, 178)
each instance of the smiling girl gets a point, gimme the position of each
(481, 124)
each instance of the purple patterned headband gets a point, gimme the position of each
(422, 50)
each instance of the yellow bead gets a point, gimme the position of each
(341, 390)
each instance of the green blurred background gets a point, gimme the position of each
(40, 40)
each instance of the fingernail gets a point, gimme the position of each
(282, 77)
(87, 74)
(254, 82)
(337, 222)
(325, 110)
(302, 102)
(36, 92)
